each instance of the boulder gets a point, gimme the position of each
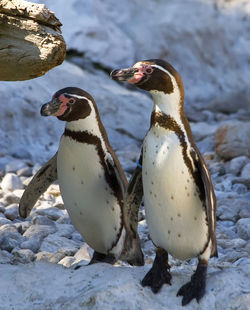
(232, 139)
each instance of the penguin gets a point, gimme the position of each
(91, 179)
(179, 199)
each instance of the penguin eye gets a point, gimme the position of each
(71, 100)
(149, 70)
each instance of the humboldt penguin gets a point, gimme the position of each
(178, 193)
(92, 182)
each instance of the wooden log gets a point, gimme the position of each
(30, 40)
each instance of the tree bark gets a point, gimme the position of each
(30, 40)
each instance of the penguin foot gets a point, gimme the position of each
(159, 273)
(102, 258)
(196, 287)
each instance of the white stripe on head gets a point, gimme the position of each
(77, 96)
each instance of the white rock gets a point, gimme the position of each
(12, 212)
(67, 261)
(11, 182)
(243, 228)
(245, 173)
(10, 198)
(10, 240)
(51, 212)
(102, 286)
(49, 257)
(202, 130)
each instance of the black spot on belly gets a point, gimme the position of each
(188, 180)
(75, 203)
(179, 235)
(185, 187)
(150, 193)
(113, 209)
(195, 218)
(107, 201)
(80, 212)
(169, 232)
(188, 194)
(171, 218)
(182, 171)
(73, 168)
(172, 197)
(155, 195)
(82, 182)
(179, 214)
(152, 183)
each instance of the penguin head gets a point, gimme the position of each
(151, 75)
(69, 104)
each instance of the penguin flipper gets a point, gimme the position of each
(210, 202)
(132, 246)
(38, 185)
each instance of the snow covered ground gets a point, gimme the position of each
(208, 43)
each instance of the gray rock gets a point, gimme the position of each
(243, 228)
(10, 240)
(244, 181)
(236, 164)
(12, 212)
(4, 221)
(51, 212)
(229, 208)
(245, 211)
(228, 228)
(54, 243)
(6, 257)
(2, 207)
(25, 172)
(39, 231)
(65, 230)
(77, 237)
(201, 130)
(11, 182)
(10, 198)
(235, 244)
(65, 219)
(245, 173)
(22, 226)
(49, 257)
(232, 139)
(32, 244)
(42, 220)
(206, 145)
(23, 256)
(15, 165)
(8, 228)
(239, 188)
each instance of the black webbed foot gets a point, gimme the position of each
(159, 273)
(102, 258)
(196, 287)
(98, 258)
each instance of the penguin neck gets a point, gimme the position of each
(169, 104)
(90, 124)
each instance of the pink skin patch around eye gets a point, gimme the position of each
(143, 70)
(63, 106)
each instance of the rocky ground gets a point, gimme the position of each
(38, 254)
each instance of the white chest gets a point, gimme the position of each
(174, 212)
(92, 206)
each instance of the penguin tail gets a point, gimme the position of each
(132, 252)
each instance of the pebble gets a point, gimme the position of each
(23, 256)
(41, 220)
(84, 253)
(10, 240)
(32, 244)
(245, 173)
(39, 231)
(239, 188)
(2, 207)
(25, 172)
(14, 165)
(49, 257)
(51, 212)
(54, 243)
(236, 164)
(11, 182)
(9, 199)
(243, 228)
(6, 257)
(12, 212)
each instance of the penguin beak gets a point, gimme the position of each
(51, 107)
(123, 74)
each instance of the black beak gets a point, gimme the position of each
(50, 108)
(123, 74)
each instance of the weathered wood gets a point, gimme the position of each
(30, 40)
